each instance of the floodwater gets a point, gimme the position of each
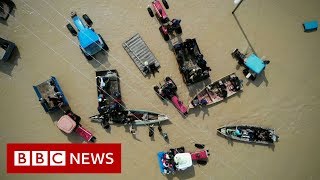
(286, 97)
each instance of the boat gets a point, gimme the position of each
(192, 64)
(141, 55)
(217, 91)
(51, 95)
(249, 134)
(108, 87)
(136, 117)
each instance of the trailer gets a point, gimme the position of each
(141, 55)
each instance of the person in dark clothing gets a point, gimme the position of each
(56, 101)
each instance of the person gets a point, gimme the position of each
(105, 122)
(203, 102)
(175, 23)
(56, 101)
(160, 128)
(238, 132)
(132, 130)
(151, 130)
(266, 61)
(239, 56)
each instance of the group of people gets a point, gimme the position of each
(168, 160)
(199, 70)
(56, 99)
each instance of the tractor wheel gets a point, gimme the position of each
(93, 139)
(87, 19)
(178, 30)
(105, 46)
(88, 57)
(165, 3)
(165, 36)
(71, 30)
(150, 12)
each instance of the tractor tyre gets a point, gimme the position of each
(165, 3)
(87, 19)
(88, 57)
(178, 30)
(150, 11)
(71, 30)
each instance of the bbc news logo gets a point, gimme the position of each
(63, 158)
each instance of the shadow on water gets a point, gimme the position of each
(7, 67)
(258, 81)
(72, 137)
(186, 174)
(100, 61)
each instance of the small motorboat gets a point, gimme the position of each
(217, 91)
(134, 117)
(249, 134)
(168, 91)
(68, 125)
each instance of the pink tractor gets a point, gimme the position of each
(167, 27)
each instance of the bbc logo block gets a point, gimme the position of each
(39, 158)
(63, 158)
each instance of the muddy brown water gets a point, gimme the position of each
(286, 97)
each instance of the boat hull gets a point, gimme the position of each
(139, 117)
(211, 93)
(249, 134)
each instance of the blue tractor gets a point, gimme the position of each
(91, 43)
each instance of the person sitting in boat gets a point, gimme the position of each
(238, 132)
(236, 83)
(222, 90)
(57, 101)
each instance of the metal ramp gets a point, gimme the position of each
(141, 55)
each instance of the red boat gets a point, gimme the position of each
(168, 91)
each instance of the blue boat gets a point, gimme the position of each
(50, 88)
(160, 156)
(310, 26)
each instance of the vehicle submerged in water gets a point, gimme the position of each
(217, 91)
(167, 27)
(52, 99)
(177, 159)
(111, 108)
(249, 134)
(169, 91)
(6, 7)
(91, 43)
(253, 64)
(6, 49)
(191, 63)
